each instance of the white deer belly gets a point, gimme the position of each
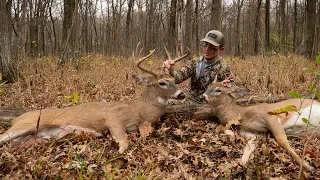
(58, 132)
(296, 120)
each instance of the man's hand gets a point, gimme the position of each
(168, 64)
(228, 82)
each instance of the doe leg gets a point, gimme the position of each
(279, 133)
(250, 146)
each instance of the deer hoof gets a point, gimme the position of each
(123, 145)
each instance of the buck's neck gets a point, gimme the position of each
(151, 107)
(228, 110)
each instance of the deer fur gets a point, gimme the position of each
(98, 117)
(255, 119)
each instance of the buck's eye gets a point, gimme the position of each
(162, 83)
(218, 90)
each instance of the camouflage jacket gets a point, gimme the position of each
(200, 83)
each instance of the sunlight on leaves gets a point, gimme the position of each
(295, 94)
(74, 97)
(283, 110)
(305, 120)
(318, 59)
(308, 70)
(149, 62)
(2, 85)
(48, 59)
(315, 91)
(19, 106)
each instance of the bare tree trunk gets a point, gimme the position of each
(85, 35)
(257, 30)
(295, 21)
(196, 26)
(128, 23)
(54, 41)
(172, 27)
(180, 17)
(188, 24)
(67, 44)
(238, 47)
(42, 5)
(93, 11)
(7, 70)
(33, 29)
(23, 29)
(216, 14)
(267, 26)
(150, 25)
(311, 25)
(282, 29)
(318, 30)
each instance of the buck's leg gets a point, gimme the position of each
(250, 146)
(279, 133)
(119, 134)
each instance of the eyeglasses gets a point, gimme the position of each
(210, 47)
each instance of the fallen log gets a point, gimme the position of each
(8, 114)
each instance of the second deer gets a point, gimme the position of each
(98, 117)
(259, 118)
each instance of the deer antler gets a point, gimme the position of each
(143, 69)
(178, 58)
(137, 52)
(215, 78)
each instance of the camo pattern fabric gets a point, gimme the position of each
(199, 84)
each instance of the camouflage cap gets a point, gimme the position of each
(214, 37)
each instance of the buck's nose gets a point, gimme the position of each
(181, 96)
(203, 98)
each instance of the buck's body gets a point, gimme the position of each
(94, 117)
(256, 118)
(98, 117)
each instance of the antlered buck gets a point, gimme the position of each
(98, 117)
(262, 117)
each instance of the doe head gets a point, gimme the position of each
(217, 94)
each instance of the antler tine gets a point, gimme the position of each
(215, 78)
(168, 55)
(137, 47)
(140, 51)
(143, 69)
(180, 58)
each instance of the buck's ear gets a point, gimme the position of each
(144, 80)
(239, 92)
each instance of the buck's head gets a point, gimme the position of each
(159, 84)
(217, 94)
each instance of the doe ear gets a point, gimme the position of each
(144, 80)
(239, 92)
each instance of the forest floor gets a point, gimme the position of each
(181, 147)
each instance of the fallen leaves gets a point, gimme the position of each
(145, 129)
(234, 121)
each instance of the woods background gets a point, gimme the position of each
(74, 28)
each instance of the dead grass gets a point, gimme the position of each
(180, 148)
